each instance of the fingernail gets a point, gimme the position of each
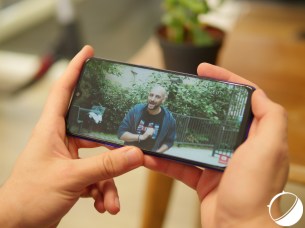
(133, 157)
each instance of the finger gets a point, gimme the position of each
(111, 197)
(98, 197)
(211, 71)
(208, 181)
(106, 197)
(99, 204)
(74, 144)
(269, 142)
(82, 143)
(61, 92)
(271, 134)
(252, 128)
(93, 191)
(189, 175)
(271, 119)
(107, 165)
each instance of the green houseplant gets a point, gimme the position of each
(184, 39)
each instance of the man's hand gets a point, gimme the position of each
(148, 133)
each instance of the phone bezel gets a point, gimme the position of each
(244, 126)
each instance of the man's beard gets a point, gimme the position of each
(152, 106)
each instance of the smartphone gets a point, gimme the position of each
(177, 116)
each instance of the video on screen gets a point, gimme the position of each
(157, 111)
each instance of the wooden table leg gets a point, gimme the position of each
(156, 200)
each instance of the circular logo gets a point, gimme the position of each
(292, 215)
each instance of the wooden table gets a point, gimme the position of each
(266, 46)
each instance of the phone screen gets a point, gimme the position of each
(183, 117)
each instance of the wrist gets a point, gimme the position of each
(141, 137)
(260, 221)
(251, 218)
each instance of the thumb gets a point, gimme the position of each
(272, 119)
(108, 165)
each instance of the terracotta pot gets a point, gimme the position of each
(186, 57)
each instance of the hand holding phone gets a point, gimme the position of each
(191, 119)
(257, 171)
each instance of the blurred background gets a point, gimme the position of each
(265, 43)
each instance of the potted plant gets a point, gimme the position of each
(184, 39)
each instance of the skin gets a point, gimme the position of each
(49, 177)
(155, 99)
(258, 170)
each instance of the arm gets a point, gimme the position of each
(245, 204)
(126, 128)
(162, 148)
(129, 137)
(170, 138)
